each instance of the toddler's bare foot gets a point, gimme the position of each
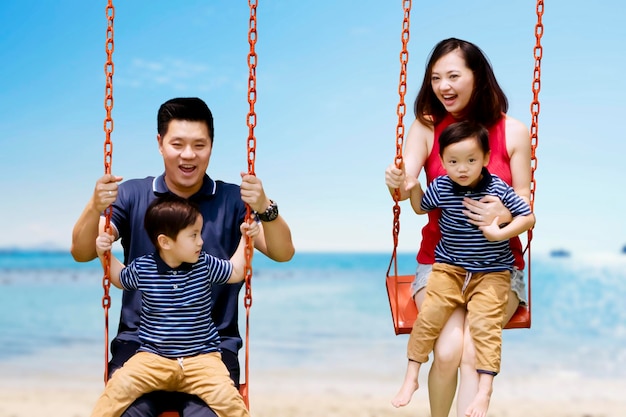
(403, 397)
(479, 405)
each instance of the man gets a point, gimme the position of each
(185, 140)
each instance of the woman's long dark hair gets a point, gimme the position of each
(487, 102)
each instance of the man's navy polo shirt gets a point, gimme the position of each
(223, 212)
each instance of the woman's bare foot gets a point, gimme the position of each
(479, 405)
(409, 386)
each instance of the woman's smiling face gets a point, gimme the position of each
(453, 83)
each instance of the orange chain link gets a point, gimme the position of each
(401, 111)
(108, 155)
(251, 148)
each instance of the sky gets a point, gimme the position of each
(327, 91)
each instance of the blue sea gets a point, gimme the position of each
(321, 311)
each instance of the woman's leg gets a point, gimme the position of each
(468, 384)
(442, 378)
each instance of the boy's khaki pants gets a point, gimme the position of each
(485, 295)
(204, 375)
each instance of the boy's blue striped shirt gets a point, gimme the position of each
(462, 243)
(176, 303)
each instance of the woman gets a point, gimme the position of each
(459, 84)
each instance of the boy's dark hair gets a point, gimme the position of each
(192, 109)
(168, 215)
(460, 131)
(487, 102)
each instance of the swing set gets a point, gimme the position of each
(251, 154)
(403, 308)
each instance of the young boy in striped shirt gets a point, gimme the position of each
(473, 264)
(179, 341)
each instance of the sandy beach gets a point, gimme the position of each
(300, 393)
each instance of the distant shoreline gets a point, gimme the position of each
(558, 253)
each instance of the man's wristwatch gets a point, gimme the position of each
(270, 213)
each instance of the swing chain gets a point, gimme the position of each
(251, 148)
(534, 110)
(251, 144)
(535, 105)
(404, 59)
(108, 156)
(252, 60)
(401, 111)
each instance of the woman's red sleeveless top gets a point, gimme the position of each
(499, 164)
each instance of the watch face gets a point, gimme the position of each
(271, 213)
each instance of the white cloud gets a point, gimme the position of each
(176, 73)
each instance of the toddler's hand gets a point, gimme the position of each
(104, 243)
(492, 231)
(250, 228)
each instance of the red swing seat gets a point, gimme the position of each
(404, 311)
